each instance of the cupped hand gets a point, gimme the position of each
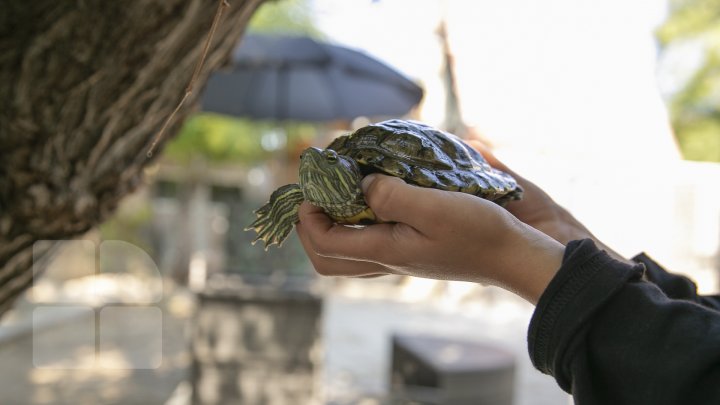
(536, 208)
(434, 234)
(539, 210)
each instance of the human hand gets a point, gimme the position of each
(434, 234)
(538, 210)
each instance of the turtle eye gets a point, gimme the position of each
(331, 156)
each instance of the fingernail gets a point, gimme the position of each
(365, 183)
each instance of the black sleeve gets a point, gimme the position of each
(609, 337)
(674, 285)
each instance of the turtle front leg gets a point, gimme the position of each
(276, 219)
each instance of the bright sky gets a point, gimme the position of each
(579, 73)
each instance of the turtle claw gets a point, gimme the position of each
(276, 219)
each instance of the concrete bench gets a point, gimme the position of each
(444, 371)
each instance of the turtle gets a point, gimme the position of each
(413, 151)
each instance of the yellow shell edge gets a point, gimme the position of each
(363, 217)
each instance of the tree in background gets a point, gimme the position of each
(218, 138)
(230, 143)
(84, 88)
(695, 107)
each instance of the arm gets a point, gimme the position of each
(538, 209)
(541, 212)
(605, 333)
(675, 286)
(608, 337)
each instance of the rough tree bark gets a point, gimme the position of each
(84, 87)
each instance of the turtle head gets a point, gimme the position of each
(329, 180)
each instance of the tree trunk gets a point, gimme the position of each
(84, 87)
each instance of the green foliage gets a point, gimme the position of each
(691, 18)
(695, 109)
(219, 138)
(701, 140)
(284, 16)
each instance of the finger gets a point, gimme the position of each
(533, 196)
(315, 215)
(526, 184)
(472, 133)
(490, 157)
(314, 228)
(331, 267)
(328, 266)
(393, 200)
(381, 243)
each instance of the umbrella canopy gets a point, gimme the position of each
(298, 78)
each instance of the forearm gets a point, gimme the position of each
(533, 260)
(609, 337)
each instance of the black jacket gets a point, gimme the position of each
(610, 336)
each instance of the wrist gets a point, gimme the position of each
(535, 258)
(577, 231)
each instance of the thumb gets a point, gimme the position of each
(393, 200)
(496, 163)
(489, 156)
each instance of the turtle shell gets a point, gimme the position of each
(427, 157)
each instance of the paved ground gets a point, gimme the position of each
(357, 337)
(359, 320)
(75, 371)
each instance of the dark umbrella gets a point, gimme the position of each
(298, 78)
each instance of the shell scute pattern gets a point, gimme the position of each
(424, 156)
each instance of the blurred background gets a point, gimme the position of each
(612, 107)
